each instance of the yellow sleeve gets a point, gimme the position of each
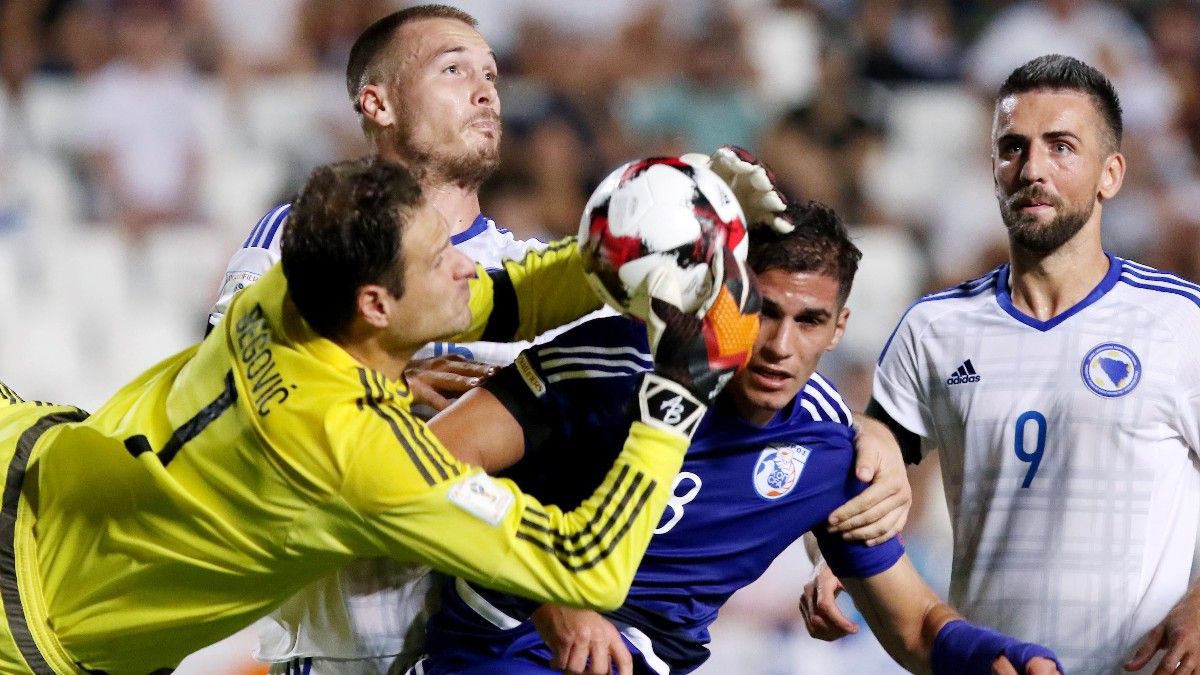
(543, 290)
(419, 504)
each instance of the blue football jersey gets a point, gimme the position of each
(744, 494)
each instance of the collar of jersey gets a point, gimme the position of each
(723, 416)
(322, 349)
(722, 430)
(1004, 296)
(477, 227)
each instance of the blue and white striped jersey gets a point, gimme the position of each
(1068, 450)
(743, 495)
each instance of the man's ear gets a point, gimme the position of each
(374, 304)
(374, 104)
(1112, 176)
(840, 330)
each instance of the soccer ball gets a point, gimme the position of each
(658, 211)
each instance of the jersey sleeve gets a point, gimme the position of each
(856, 559)
(258, 253)
(897, 384)
(417, 503)
(599, 361)
(544, 289)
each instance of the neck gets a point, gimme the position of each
(375, 354)
(1044, 285)
(458, 205)
(734, 399)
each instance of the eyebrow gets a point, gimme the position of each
(1061, 134)
(1057, 133)
(818, 313)
(458, 49)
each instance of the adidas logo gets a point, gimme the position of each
(964, 375)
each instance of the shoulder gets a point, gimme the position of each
(597, 352)
(1177, 298)
(820, 401)
(487, 243)
(957, 301)
(600, 360)
(268, 232)
(962, 297)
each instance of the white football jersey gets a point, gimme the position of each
(1069, 453)
(366, 611)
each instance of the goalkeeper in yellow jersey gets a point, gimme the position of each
(227, 477)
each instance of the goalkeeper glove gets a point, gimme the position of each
(695, 354)
(752, 182)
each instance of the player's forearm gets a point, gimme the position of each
(903, 613)
(587, 557)
(458, 427)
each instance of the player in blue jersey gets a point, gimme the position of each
(1062, 391)
(771, 461)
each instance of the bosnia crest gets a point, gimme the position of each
(1111, 369)
(778, 468)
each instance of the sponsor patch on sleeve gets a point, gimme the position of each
(481, 496)
(237, 280)
(535, 383)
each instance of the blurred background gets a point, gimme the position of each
(140, 140)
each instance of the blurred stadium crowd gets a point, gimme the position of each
(140, 140)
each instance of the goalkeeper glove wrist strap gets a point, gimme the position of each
(962, 648)
(666, 404)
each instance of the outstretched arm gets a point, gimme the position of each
(545, 289)
(417, 503)
(925, 635)
(883, 440)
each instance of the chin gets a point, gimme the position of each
(772, 401)
(463, 323)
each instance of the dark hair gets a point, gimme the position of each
(818, 244)
(1055, 71)
(366, 56)
(346, 230)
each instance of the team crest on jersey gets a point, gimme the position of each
(1111, 369)
(778, 468)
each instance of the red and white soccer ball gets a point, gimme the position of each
(658, 211)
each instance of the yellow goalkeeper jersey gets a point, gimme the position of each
(229, 476)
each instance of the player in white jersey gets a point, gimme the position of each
(1063, 392)
(423, 81)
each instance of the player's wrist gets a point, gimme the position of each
(963, 648)
(666, 404)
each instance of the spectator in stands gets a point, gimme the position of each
(140, 130)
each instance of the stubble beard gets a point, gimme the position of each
(1024, 230)
(468, 169)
